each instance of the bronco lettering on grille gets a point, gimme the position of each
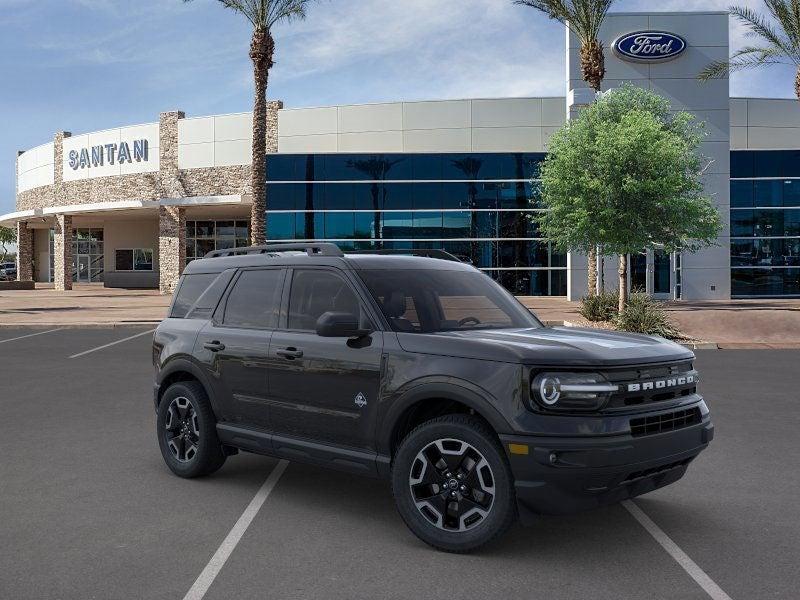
(660, 384)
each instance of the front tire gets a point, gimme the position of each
(187, 432)
(452, 484)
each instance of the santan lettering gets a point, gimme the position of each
(645, 44)
(97, 156)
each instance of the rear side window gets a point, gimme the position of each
(254, 300)
(191, 288)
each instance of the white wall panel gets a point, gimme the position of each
(195, 156)
(507, 112)
(233, 152)
(554, 111)
(370, 117)
(766, 138)
(773, 113)
(233, 127)
(307, 121)
(507, 139)
(698, 29)
(738, 112)
(739, 138)
(196, 131)
(443, 114)
(371, 141)
(35, 167)
(299, 144)
(437, 140)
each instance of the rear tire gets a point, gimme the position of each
(452, 484)
(187, 431)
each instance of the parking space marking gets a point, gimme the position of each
(688, 565)
(79, 354)
(22, 337)
(209, 574)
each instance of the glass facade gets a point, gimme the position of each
(476, 206)
(765, 223)
(205, 236)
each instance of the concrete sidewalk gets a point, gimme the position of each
(85, 306)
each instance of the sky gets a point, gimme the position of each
(86, 65)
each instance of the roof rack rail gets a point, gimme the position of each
(322, 249)
(424, 252)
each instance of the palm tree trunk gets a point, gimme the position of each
(262, 48)
(623, 282)
(593, 67)
(797, 84)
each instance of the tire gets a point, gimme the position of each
(472, 506)
(189, 445)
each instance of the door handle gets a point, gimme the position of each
(214, 346)
(290, 353)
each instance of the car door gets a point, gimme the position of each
(324, 389)
(234, 345)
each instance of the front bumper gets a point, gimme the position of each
(561, 475)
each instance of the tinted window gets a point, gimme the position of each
(188, 293)
(254, 299)
(428, 301)
(315, 292)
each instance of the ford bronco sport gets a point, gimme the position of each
(422, 371)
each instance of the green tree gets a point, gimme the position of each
(584, 19)
(778, 37)
(7, 236)
(626, 174)
(263, 15)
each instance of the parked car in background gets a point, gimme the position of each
(8, 271)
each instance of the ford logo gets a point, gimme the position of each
(649, 46)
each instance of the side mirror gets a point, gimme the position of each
(337, 324)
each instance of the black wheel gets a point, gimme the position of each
(187, 433)
(452, 484)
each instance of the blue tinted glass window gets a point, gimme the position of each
(455, 195)
(312, 196)
(765, 282)
(283, 196)
(426, 195)
(557, 259)
(398, 166)
(791, 222)
(367, 195)
(527, 166)
(339, 196)
(768, 163)
(768, 193)
(514, 195)
(742, 223)
(426, 166)
(427, 225)
(791, 192)
(365, 225)
(281, 167)
(397, 196)
(457, 224)
(741, 194)
(742, 164)
(790, 166)
(484, 195)
(280, 226)
(398, 225)
(339, 225)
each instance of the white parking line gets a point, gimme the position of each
(22, 337)
(206, 578)
(688, 565)
(111, 344)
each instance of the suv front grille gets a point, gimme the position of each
(649, 384)
(665, 422)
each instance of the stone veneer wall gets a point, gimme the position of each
(24, 252)
(62, 250)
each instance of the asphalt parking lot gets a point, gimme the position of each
(88, 509)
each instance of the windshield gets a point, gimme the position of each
(427, 301)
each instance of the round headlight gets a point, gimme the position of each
(549, 390)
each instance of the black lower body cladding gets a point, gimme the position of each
(562, 475)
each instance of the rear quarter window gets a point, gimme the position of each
(192, 286)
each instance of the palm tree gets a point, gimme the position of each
(584, 19)
(262, 15)
(780, 41)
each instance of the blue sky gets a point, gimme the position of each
(84, 65)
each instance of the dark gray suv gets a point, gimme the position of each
(422, 371)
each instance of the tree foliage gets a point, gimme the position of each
(7, 236)
(626, 175)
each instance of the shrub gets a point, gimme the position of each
(602, 307)
(645, 315)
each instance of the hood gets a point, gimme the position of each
(563, 346)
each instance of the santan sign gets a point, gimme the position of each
(97, 156)
(649, 46)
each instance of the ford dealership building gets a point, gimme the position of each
(130, 206)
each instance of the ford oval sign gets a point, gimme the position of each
(649, 46)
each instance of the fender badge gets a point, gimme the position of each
(361, 400)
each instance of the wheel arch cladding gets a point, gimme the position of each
(427, 402)
(182, 370)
